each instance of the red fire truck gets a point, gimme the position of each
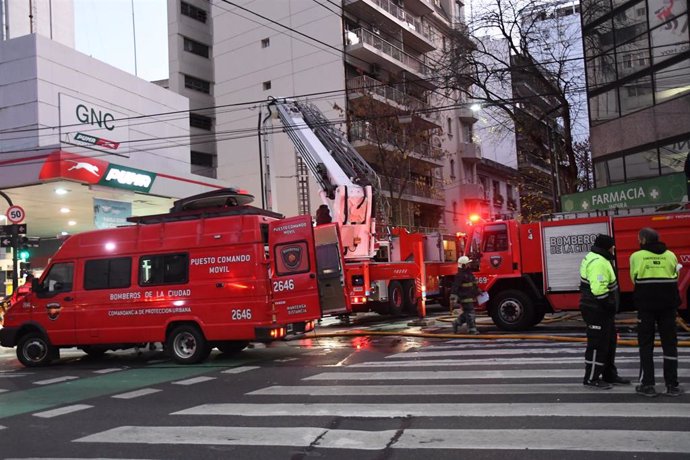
(533, 269)
(386, 273)
(214, 272)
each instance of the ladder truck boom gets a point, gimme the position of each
(348, 184)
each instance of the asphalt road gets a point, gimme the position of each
(376, 397)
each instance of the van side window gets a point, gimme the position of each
(163, 269)
(495, 238)
(60, 278)
(108, 273)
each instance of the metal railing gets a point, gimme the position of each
(362, 131)
(369, 38)
(413, 22)
(364, 83)
(412, 187)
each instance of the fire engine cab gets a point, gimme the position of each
(533, 269)
(214, 272)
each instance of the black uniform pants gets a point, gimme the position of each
(600, 354)
(665, 320)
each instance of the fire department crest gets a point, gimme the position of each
(53, 311)
(292, 256)
(495, 261)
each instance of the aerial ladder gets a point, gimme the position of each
(349, 186)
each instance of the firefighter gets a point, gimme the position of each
(654, 271)
(599, 305)
(323, 215)
(465, 292)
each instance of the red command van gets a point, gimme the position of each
(214, 272)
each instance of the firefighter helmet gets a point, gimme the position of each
(464, 260)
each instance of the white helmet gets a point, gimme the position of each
(464, 260)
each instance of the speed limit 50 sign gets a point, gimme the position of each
(15, 214)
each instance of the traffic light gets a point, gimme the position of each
(24, 254)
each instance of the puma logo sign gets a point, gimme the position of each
(93, 169)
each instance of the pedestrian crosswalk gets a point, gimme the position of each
(530, 393)
(462, 395)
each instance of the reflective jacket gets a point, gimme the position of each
(654, 273)
(465, 286)
(598, 284)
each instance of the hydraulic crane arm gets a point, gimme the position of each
(348, 183)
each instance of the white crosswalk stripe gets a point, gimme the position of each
(457, 380)
(539, 439)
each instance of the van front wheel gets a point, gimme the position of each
(187, 345)
(34, 350)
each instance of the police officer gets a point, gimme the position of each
(599, 304)
(465, 291)
(654, 271)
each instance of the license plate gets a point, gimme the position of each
(289, 328)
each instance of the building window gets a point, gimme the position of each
(266, 42)
(196, 47)
(203, 159)
(641, 165)
(449, 126)
(193, 12)
(197, 84)
(266, 85)
(452, 169)
(200, 121)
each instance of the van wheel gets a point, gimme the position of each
(187, 345)
(396, 298)
(34, 350)
(410, 299)
(230, 347)
(512, 310)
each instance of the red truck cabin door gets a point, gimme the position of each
(293, 277)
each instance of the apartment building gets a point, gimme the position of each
(53, 19)
(369, 65)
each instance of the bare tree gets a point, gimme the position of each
(399, 146)
(585, 168)
(508, 46)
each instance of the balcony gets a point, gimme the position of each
(419, 7)
(366, 142)
(363, 86)
(472, 191)
(372, 48)
(395, 20)
(414, 190)
(470, 151)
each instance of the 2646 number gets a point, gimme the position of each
(241, 313)
(283, 285)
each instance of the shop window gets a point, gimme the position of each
(603, 107)
(616, 171)
(672, 156)
(641, 165)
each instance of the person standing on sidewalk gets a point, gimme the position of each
(654, 271)
(465, 292)
(599, 304)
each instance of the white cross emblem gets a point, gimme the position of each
(585, 205)
(654, 194)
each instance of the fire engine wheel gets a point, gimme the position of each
(34, 350)
(187, 345)
(512, 310)
(230, 347)
(410, 300)
(396, 298)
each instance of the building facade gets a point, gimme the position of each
(84, 145)
(51, 18)
(367, 64)
(637, 56)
